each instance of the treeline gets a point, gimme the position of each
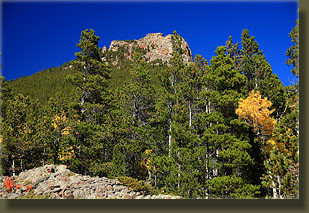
(224, 129)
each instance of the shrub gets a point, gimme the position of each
(9, 184)
(32, 196)
(136, 185)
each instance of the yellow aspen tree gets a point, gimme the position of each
(255, 111)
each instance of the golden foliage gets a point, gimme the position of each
(147, 161)
(148, 151)
(58, 120)
(254, 110)
(65, 155)
(59, 124)
(66, 130)
(283, 142)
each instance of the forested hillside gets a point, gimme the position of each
(44, 84)
(226, 128)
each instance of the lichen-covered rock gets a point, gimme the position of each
(155, 45)
(57, 182)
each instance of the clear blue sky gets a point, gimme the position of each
(42, 35)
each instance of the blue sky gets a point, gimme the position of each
(42, 35)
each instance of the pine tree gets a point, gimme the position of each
(173, 118)
(91, 103)
(226, 145)
(293, 90)
(253, 64)
(21, 148)
(55, 129)
(6, 94)
(135, 113)
(282, 164)
(293, 51)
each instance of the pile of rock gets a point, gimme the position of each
(60, 183)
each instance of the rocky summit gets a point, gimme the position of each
(57, 182)
(156, 46)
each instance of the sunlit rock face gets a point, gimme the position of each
(156, 46)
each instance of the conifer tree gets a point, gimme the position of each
(21, 147)
(6, 94)
(293, 51)
(253, 64)
(293, 90)
(91, 103)
(174, 119)
(55, 129)
(282, 164)
(227, 148)
(135, 113)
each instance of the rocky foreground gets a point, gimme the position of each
(57, 182)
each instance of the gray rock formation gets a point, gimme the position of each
(58, 182)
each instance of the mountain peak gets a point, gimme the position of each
(156, 46)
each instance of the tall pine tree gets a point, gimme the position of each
(91, 103)
(227, 147)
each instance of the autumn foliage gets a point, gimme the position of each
(8, 184)
(59, 122)
(255, 111)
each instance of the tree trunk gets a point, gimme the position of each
(178, 184)
(169, 138)
(275, 194)
(279, 187)
(207, 167)
(13, 167)
(149, 174)
(82, 101)
(190, 115)
(214, 170)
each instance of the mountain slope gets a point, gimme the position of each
(44, 84)
(157, 51)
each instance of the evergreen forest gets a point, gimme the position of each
(217, 129)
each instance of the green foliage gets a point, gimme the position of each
(134, 110)
(56, 126)
(282, 163)
(293, 51)
(231, 187)
(5, 95)
(226, 144)
(136, 185)
(31, 195)
(91, 102)
(160, 128)
(44, 84)
(253, 64)
(20, 134)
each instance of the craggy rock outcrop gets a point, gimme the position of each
(156, 46)
(60, 183)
